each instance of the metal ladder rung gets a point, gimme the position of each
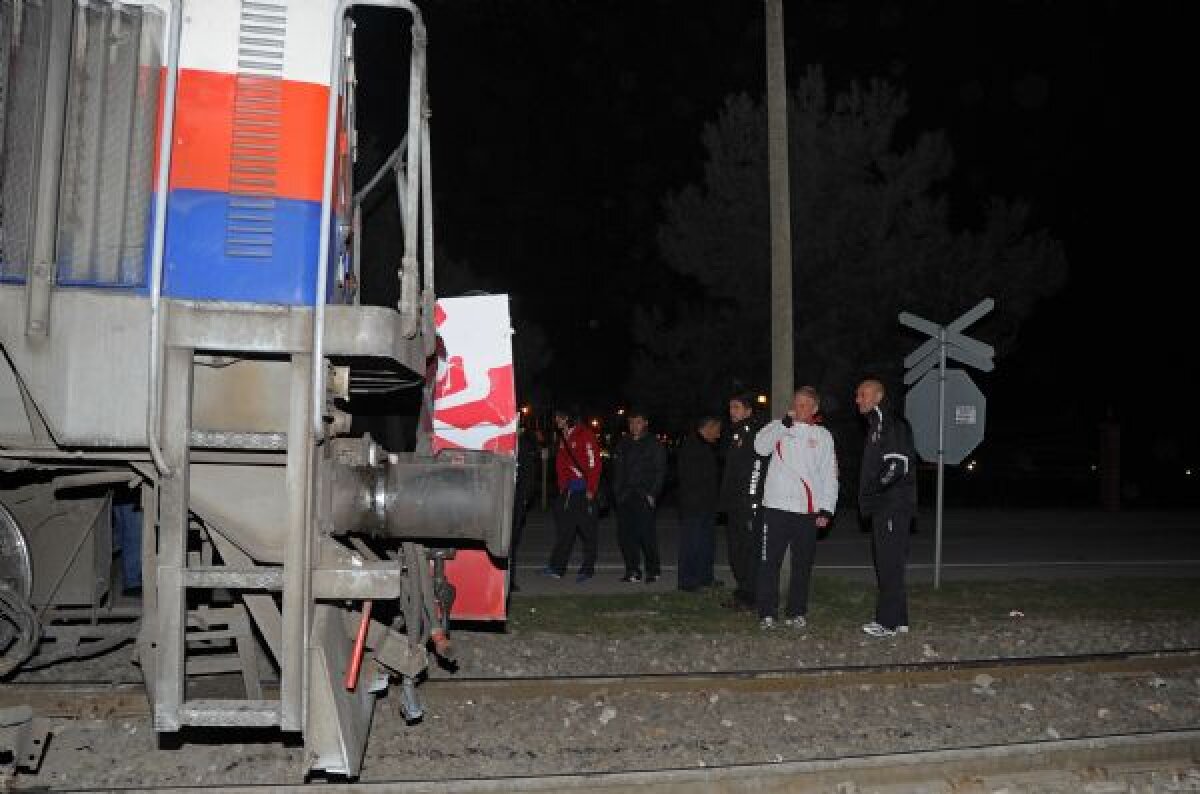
(214, 635)
(233, 578)
(213, 664)
(233, 439)
(215, 713)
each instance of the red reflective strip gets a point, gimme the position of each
(480, 585)
(808, 491)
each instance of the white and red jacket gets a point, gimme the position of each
(586, 451)
(802, 476)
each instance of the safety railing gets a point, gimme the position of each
(417, 135)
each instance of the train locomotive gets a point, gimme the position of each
(181, 320)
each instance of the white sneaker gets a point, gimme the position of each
(797, 622)
(876, 630)
(767, 624)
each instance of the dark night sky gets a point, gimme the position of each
(560, 125)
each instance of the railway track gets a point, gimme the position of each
(1166, 761)
(103, 700)
(1118, 762)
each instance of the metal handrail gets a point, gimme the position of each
(427, 201)
(409, 276)
(162, 185)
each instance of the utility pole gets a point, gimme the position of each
(783, 362)
(782, 359)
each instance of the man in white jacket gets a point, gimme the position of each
(800, 498)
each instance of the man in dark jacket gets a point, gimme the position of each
(527, 461)
(698, 491)
(639, 467)
(887, 494)
(741, 494)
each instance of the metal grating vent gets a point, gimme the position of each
(7, 34)
(257, 128)
(108, 144)
(23, 30)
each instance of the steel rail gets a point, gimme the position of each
(788, 679)
(940, 770)
(96, 699)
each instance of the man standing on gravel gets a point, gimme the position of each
(887, 494)
(639, 468)
(741, 492)
(577, 465)
(698, 484)
(800, 498)
(527, 460)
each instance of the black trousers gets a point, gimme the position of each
(520, 510)
(574, 513)
(889, 547)
(744, 540)
(697, 543)
(783, 530)
(637, 536)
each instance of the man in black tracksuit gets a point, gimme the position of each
(527, 460)
(741, 494)
(698, 486)
(887, 494)
(639, 468)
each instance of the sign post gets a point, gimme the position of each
(941, 462)
(938, 437)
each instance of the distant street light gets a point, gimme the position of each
(595, 423)
(762, 399)
(620, 412)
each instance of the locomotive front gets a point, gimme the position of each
(180, 320)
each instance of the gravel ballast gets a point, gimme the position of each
(465, 736)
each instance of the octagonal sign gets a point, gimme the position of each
(966, 412)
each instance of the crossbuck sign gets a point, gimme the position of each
(945, 408)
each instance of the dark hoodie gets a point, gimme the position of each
(698, 483)
(639, 467)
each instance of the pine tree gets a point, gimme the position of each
(871, 237)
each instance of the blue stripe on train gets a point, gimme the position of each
(215, 252)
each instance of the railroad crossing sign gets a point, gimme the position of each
(957, 433)
(966, 414)
(960, 347)
(945, 408)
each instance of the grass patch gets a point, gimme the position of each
(839, 602)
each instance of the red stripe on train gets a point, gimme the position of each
(203, 155)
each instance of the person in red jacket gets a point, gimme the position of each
(577, 464)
